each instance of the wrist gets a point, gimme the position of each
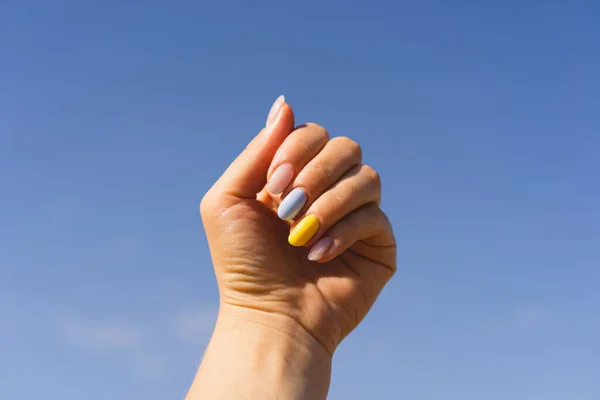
(269, 356)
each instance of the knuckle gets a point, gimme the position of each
(318, 129)
(372, 175)
(322, 173)
(373, 211)
(314, 177)
(353, 225)
(352, 146)
(203, 206)
(206, 205)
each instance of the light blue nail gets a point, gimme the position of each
(292, 204)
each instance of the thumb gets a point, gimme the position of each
(247, 174)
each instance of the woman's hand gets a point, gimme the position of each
(301, 251)
(332, 217)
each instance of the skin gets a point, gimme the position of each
(281, 315)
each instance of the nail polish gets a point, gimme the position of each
(304, 231)
(275, 108)
(281, 178)
(320, 248)
(292, 204)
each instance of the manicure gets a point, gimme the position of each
(304, 231)
(292, 204)
(320, 248)
(281, 178)
(275, 108)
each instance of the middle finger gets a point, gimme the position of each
(339, 155)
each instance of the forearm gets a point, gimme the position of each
(254, 355)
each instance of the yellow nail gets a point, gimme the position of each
(304, 231)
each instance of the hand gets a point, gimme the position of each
(322, 267)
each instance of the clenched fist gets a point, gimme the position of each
(296, 233)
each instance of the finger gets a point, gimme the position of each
(368, 224)
(294, 153)
(338, 156)
(361, 185)
(246, 176)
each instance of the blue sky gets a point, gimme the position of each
(483, 119)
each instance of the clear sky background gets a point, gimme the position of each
(483, 119)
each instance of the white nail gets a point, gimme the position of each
(275, 108)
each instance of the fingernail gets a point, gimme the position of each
(320, 248)
(275, 108)
(304, 231)
(281, 178)
(292, 204)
